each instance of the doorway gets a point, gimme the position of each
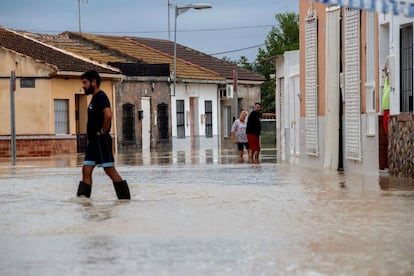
(146, 123)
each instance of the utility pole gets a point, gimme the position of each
(79, 14)
(12, 117)
(235, 95)
(169, 7)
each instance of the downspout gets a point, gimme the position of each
(341, 87)
(219, 117)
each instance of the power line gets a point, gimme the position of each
(228, 28)
(179, 31)
(238, 50)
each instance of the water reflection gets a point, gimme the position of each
(96, 212)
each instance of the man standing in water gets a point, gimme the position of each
(253, 130)
(99, 147)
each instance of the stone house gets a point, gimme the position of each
(50, 105)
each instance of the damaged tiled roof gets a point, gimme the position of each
(81, 48)
(62, 61)
(225, 69)
(129, 47)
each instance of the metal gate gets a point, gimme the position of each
(163, 121)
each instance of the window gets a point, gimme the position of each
(209, 118)
(227, 121)
(27, 83)
(61, 116)
(406, 69)
(128, 123)
(163, 121)
(180, 119)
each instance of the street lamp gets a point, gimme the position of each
(178, 11)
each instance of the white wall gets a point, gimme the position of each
(288, 124)
(200, 93)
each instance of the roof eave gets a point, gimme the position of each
(201, 81)
(252, 82)
(78, 74)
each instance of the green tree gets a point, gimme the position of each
(284, 37)
(242, 62)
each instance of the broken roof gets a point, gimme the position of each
(63, 61)
(225, 69)
(126, 46)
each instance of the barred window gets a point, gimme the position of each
(406, 68)
(209, 118)
(180, 119)
(61, 111)
(128, 122)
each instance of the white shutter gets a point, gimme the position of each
(352, 85)
(332, 87)
(311, 78)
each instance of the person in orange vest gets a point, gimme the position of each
(386, 99)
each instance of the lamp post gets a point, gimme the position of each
(179, 10)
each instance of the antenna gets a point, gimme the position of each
(79, 15)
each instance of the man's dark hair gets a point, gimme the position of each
(92, 75)
(258, 104)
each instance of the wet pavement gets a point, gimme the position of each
(203, 213)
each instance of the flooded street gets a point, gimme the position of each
(203, 213)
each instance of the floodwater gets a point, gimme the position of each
(203, 213)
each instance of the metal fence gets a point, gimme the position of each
(268, 135)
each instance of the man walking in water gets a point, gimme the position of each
(99, 147)
(253, 130)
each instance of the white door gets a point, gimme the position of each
(146, 123)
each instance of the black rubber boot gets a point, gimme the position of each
(84, 189)
(122, 190)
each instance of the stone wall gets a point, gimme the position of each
(131, 91)
(32, 146)
(401, 145)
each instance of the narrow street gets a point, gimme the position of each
(203, 213)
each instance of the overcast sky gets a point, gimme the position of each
(229, 25)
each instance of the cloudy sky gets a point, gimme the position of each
(228, 26)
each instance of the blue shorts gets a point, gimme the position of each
(99, 152)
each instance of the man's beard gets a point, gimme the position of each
(89, 91)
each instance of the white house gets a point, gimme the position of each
(287, 105)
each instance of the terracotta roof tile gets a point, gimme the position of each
(124, 45)
(81, 48)
(62, 61)
(225, 69)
